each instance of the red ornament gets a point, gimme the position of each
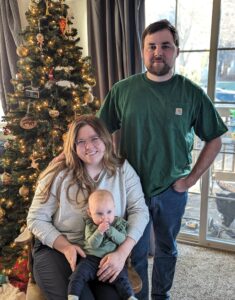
(20, 274)
(62, 25)
(51, 75)
(6, 131)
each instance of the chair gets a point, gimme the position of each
(33, 291)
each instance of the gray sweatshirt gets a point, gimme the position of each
(59, 216)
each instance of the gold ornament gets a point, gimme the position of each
(34, 163)
(54, 113)
(2, 214)
(22, 105)
(48, 60)
(19, 76)
(6, 178)
(24, 191)
(28, 122)
(88, 97)
(9, 203)
(22, 51)
(20, 87)
(60, 51)
(62, 102)
(13, 81)
(91, 81)
(97, 103)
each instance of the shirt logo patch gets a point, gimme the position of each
(179, 111)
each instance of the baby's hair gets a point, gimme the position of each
(100, 194)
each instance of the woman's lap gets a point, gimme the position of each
(52, 271)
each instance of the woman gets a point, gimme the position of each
(56, 216)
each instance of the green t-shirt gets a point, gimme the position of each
(158, 121)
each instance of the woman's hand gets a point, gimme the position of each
(110, 266)
(70, 252)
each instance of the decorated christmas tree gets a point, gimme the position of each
(52, 86)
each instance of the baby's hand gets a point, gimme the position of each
(104, 226)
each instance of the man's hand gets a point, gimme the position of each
(181, 185)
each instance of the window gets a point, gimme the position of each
(207, 56)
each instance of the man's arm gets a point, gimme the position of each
(205, 159)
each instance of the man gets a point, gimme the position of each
(158, 113)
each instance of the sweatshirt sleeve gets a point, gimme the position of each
(137, 210)
(40, 216)
(92, 236)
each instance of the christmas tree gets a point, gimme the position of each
(52, 85)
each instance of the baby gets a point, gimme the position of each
(103, 233)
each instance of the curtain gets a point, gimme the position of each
(9, 40)
(114, 40)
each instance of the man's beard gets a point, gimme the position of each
(159, 71)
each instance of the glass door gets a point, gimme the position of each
(207, 57)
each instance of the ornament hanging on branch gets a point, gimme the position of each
(28, 122)
(51, 78)
(51, 74)
(63, 25)
(88, 97)
(40, 40)
(19, 76)
(2, 214)
(47, 8)
(6, 178)
(22, 51)
(34, 163)
(6, 131)
(54, 113)
(7, 145)
(24, 191)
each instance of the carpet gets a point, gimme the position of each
(203, 274)
(9, 292)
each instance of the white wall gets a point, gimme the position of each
(79, 11)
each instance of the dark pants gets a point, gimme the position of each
(166, 211)
(139, 260)
(52, 271)
(86, 271)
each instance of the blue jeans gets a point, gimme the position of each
(139, 260)
(166, 211)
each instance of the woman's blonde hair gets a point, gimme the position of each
(74, 165)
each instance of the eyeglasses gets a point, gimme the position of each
(95, 141)
(164, 47)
